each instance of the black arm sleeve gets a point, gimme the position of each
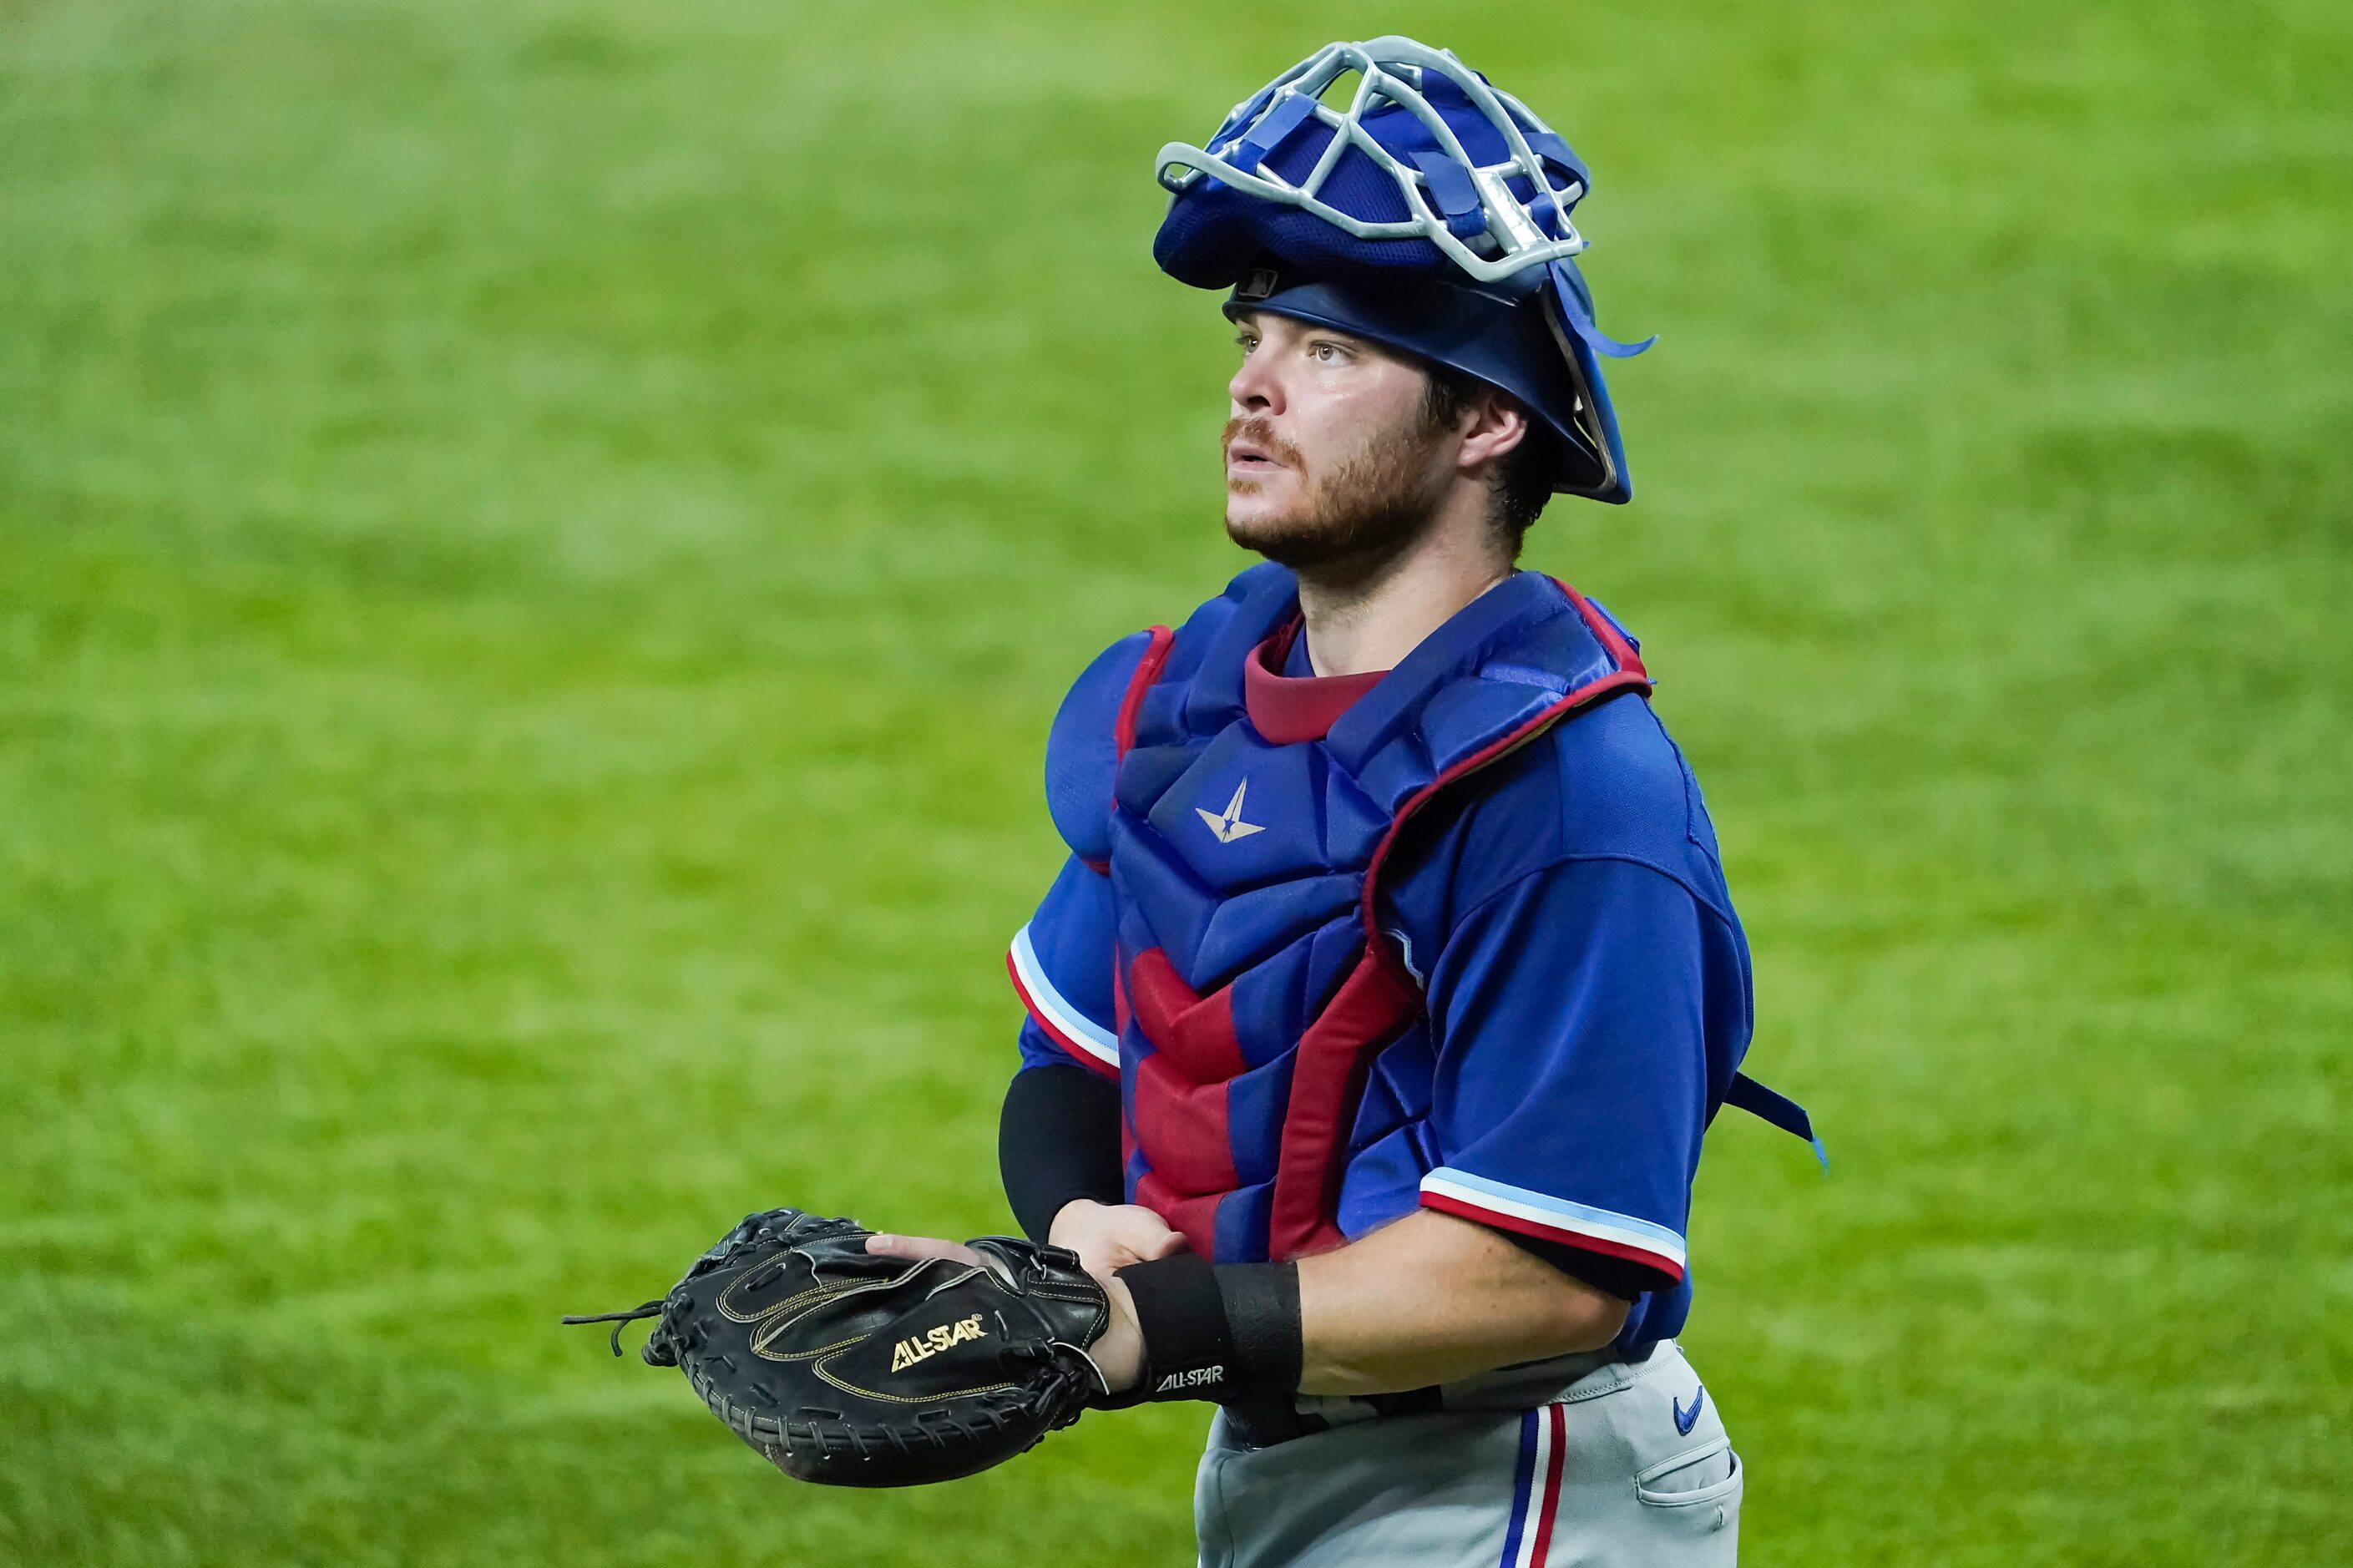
(1058, 1140)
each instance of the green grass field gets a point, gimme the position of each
(538, 544)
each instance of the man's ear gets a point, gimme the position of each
(1497, 425)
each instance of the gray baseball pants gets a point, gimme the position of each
(1618, 1465)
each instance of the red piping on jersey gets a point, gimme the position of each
(1378, 998)
(1085, 1058)
(1659, 1262)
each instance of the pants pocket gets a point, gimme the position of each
(1701, 1475)
(1694, 1498)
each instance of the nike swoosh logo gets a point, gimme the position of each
(1687, 1419)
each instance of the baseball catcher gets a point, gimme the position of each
(1391, 979)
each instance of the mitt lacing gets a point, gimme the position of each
(650, 1310)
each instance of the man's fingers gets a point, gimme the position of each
(1167, 1246)
(920, 1246)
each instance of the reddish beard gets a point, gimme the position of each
(1367, 503)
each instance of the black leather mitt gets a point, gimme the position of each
(843, 1367)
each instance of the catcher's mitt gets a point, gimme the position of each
(861, 1371)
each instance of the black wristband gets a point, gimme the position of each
(1189, 1346)
(1214, 1332)
(1262, 1320)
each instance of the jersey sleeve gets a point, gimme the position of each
(1588, 1016)
(1061, 960)
(1061, 964)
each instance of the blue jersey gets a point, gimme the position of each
(1532, 858)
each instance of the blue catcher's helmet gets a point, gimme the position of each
(1431, 216)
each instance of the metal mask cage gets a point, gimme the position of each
(1392, 70)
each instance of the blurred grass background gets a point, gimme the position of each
(538, 544)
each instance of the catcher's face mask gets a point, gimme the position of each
(1428, 183)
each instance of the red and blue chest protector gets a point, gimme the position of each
(1465, 945)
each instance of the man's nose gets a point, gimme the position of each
(1254, 388)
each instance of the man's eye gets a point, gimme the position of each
(1247, 341)
(1330, 353)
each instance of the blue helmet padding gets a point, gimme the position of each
(1271, 132)
(1451, 188)
(1213, 231)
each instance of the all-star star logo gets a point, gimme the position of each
(1229, 825)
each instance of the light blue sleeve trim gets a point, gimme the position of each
(1572, 1213)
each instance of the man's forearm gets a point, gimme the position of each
(1431, 1298)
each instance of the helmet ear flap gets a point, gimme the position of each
(1590, 466)
(1594, 465)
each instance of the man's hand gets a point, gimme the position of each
(1108, 1235)
(1119, 1355)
